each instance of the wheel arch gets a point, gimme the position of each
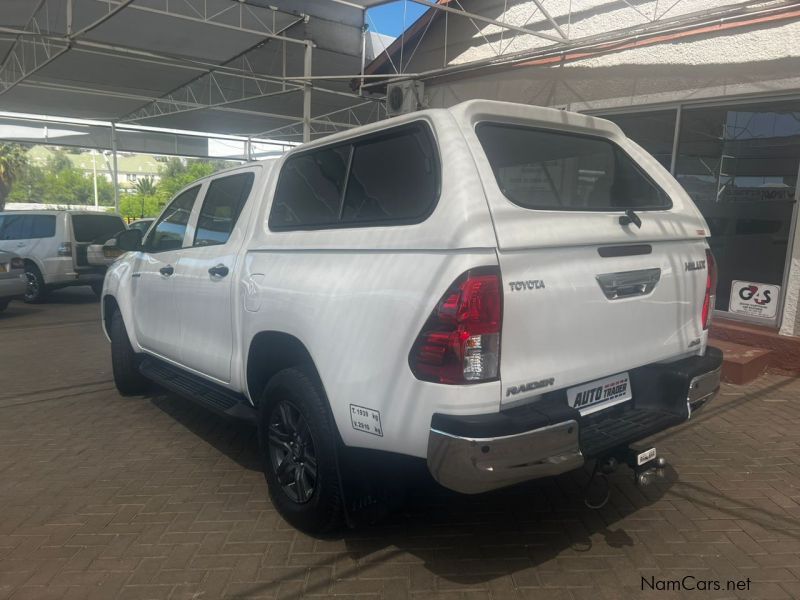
(271, 352)
(109, 307)
(30, 261)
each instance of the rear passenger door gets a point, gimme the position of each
(206, 273)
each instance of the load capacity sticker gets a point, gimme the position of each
(366, 420)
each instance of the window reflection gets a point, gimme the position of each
(740, 165)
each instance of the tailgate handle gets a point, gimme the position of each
(628, 284)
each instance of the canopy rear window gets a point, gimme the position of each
(553, 170)
(96, 228)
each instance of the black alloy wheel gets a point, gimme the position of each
(292, 452)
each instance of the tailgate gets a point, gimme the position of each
(602, 253)
(563, 325)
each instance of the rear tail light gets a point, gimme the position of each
(17, 263)
(65, 249)
(460, 342)
(711, 289)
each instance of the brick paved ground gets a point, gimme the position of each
(105, 497)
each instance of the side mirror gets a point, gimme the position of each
(130, 240)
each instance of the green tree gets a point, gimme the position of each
(12, 162)
(146, 186)
(176, 174)
(29, 186)
(59, 182)
(137, 206)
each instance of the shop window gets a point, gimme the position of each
(740, 165)
(654, 131)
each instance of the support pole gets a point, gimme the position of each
(676, 140)
(307, 93)
(363, 54)
(115, 171)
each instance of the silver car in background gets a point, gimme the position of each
(12, 278)
(104, 250)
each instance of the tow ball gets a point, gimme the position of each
(645, 465)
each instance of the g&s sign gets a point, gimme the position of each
(754, 299)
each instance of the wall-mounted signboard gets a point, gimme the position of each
(754, 299)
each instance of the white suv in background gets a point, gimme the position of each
(502, 291)
(53, 244)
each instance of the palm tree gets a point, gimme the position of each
(145, 186)
(12, 160)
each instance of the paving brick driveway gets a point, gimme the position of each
(110, 497)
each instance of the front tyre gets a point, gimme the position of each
(124, 361)
(297, 441)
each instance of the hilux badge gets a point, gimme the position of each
(695, 265)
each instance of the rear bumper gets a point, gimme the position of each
(477, 453)
(12, 284)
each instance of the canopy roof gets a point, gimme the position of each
(221, 66)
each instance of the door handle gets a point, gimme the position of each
(629, 283)
(218, 271)
(167, 271)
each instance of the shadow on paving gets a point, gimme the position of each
(464, 539)
(475, 539)
(63, 297)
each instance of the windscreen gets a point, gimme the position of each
(96, 228)
(554, 170)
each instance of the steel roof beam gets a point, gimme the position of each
(320, 120)
(245, 12)
(31, 53)
(490, 21)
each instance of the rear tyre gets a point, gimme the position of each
(298, 445)
(97, 288)
(4, 304)
(124, 361)
(36, 290)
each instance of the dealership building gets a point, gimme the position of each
(711, 88)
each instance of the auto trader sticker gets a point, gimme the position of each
(754, 299)
(366, 420)
(603, 393)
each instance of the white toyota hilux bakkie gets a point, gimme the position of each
(503, 291)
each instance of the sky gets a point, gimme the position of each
(388, 18)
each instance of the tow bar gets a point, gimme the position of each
(646, 465)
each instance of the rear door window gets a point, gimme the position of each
(27, 227)
(392, 178)
(552, 170)
(96, 228)
(310, 189)
(222, 205)
(170, 229)
(379, 179)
